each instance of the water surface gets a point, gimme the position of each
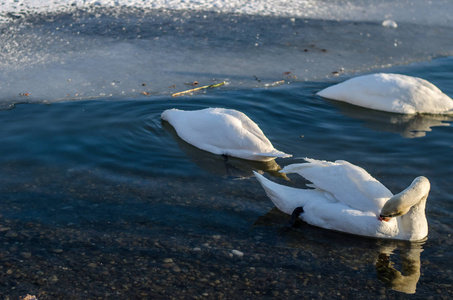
(100, 198)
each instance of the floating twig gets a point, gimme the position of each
(198, 88)
(276, 83)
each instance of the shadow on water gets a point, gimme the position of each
(408, 126)
(396, 263)
(221, 165)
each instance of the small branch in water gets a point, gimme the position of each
(197, 89)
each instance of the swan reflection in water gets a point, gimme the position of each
(408, 126)
(221, 165)
(406, 280)
(396, 263)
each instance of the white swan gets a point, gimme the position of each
(392, 93)
(348, 199)
(224, 132)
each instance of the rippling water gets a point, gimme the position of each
(99, 197)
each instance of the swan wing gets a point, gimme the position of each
(349, 184)
(287, 198)
(222, 131)
(323, 211)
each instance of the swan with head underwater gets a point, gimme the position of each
(348, 199)
(222, 131)
(394, 93)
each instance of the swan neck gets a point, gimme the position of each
(414, 223)
(417, 192)
(409, 207)
(402, 202)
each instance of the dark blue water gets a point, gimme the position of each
(99, 198)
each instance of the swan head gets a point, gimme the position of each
(401, 203)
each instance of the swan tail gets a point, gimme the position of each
(274, 153)
(284, 198)
(310, 163)
(281, 154)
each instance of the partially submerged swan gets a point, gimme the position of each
(392, 93)
(348, 199)
(224, 132)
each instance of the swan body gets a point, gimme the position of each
(346, 198)
(392, 93)
(224, 132)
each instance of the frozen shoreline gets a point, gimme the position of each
(130, 52)
(407, 11)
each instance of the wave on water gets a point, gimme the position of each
(65, 50)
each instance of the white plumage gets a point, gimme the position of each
(222, 131)
(392, 93)
(346, 198)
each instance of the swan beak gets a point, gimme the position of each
(382, 218)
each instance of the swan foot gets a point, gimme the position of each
(296, 213)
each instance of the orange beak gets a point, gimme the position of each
(386, 219)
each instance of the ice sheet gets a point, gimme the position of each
(82, 49)
(416, 11)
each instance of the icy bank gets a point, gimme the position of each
(82, 49)
(418, 11)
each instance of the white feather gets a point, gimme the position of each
(222, 131)
(392, 93)
(346, 198)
